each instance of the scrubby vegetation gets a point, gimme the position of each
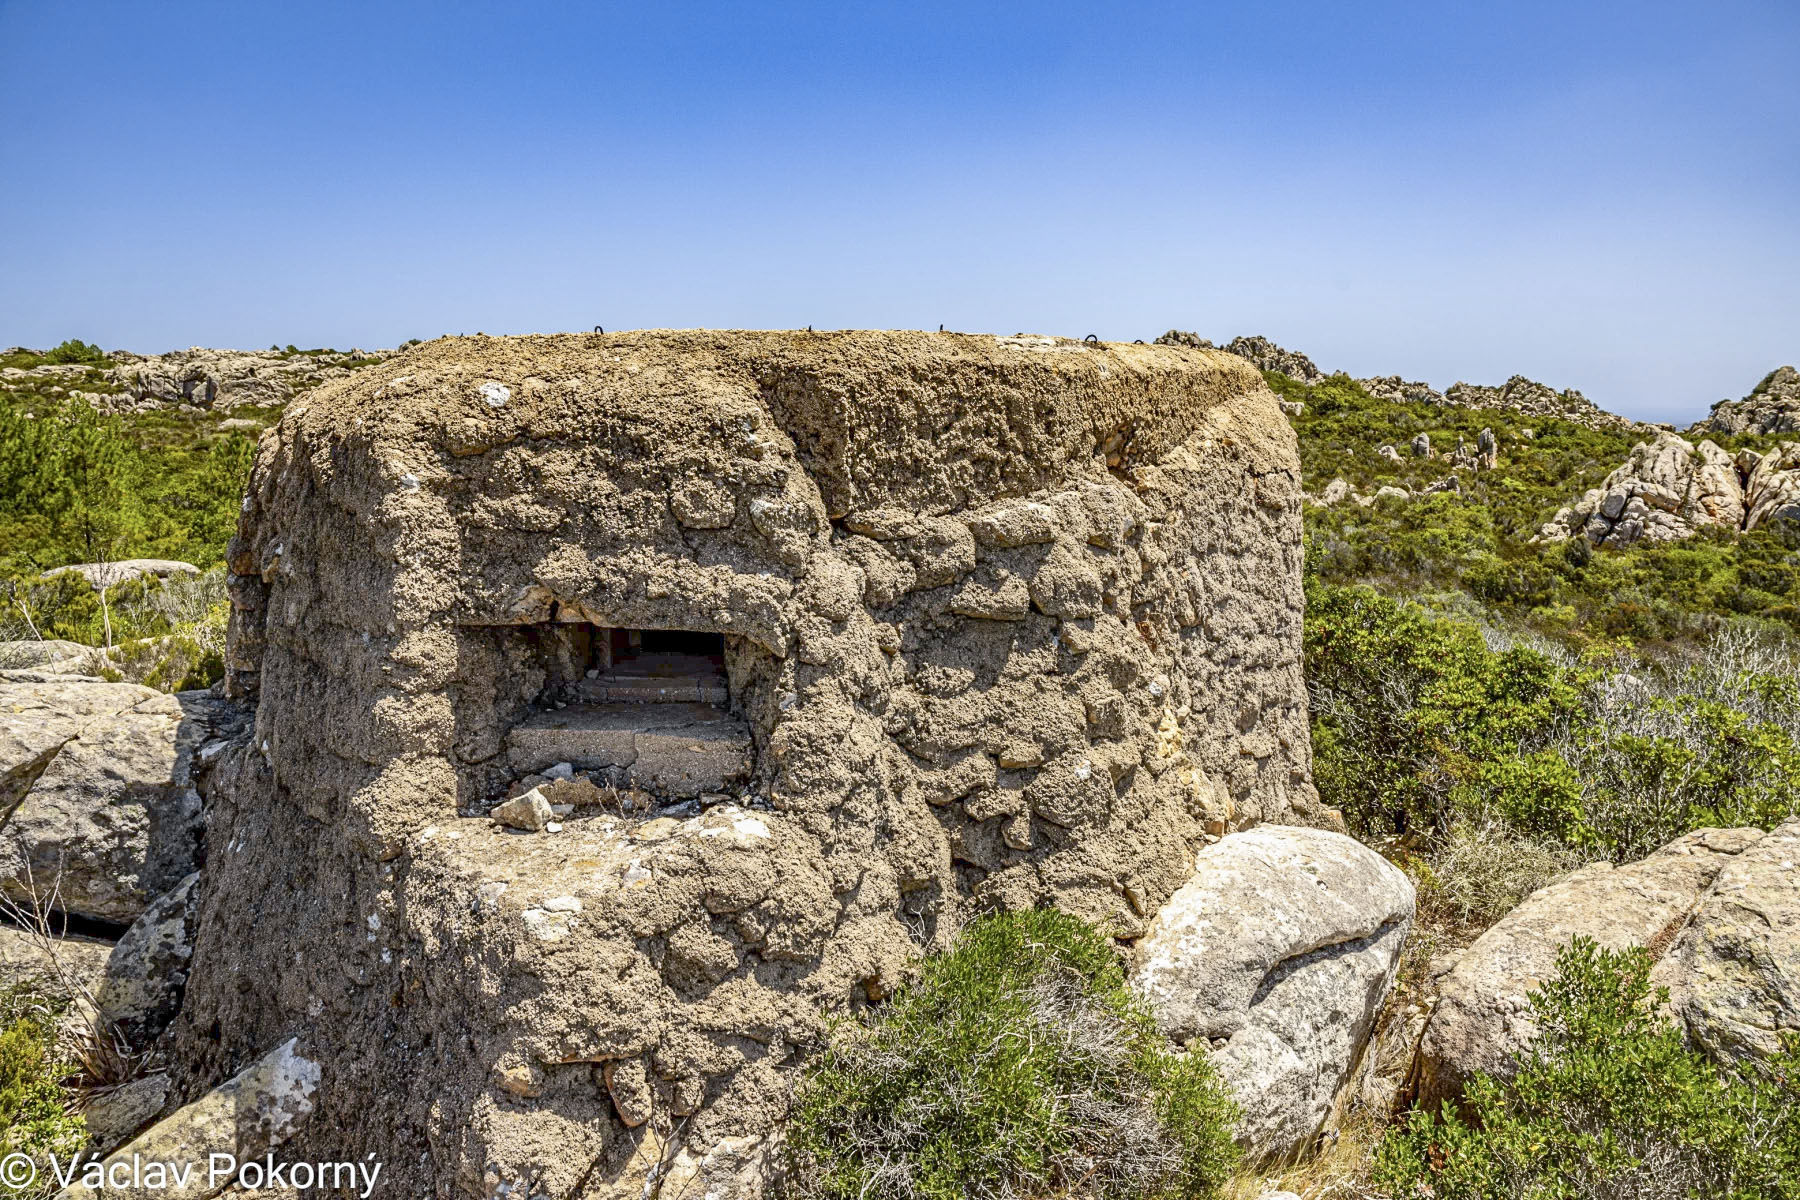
(1421, 720)
(1494, 713)
(35, 1117)
(70, 352)
(1608, 1102)
(77, 485)
(1017, 1064)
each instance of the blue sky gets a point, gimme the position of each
(1598, 195)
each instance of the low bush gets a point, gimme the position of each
(1483, 870)
(72, 351)
(1420, 720)
(1608, 1102)
(1018, 1064)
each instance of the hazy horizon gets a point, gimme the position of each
(1596, 196)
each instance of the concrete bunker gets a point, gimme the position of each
(977, 650)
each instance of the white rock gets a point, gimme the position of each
(1283, 945)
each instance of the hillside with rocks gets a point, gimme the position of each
(214, 380)
(1671, 488)
(1517, 394)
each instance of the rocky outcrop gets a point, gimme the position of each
(998, 622)
(220, 380)
(111, 574)
(1260, 350)
(1270, 357)
(1773, 406)
(1276, 958)
(1518, 394)
(1535, 399)
(108, 817)
(1396, 390)
(1718, 908)
(1668, 489)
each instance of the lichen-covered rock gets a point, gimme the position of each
(147, 971)
(112, 818)
(113, 1116)
(1734, 972)
(1002, 622)
(1276, 957)
(254, 1112)
(1719, 910)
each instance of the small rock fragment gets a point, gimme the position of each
(530, 811)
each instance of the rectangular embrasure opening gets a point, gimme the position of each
(644, 708)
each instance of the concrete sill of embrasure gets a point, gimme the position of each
(680, 751)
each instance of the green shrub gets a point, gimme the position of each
(1608, 1102)
(71, 351)
(35, 1118)
(1018, 1064)
(1406, 705)
(1418, 721)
